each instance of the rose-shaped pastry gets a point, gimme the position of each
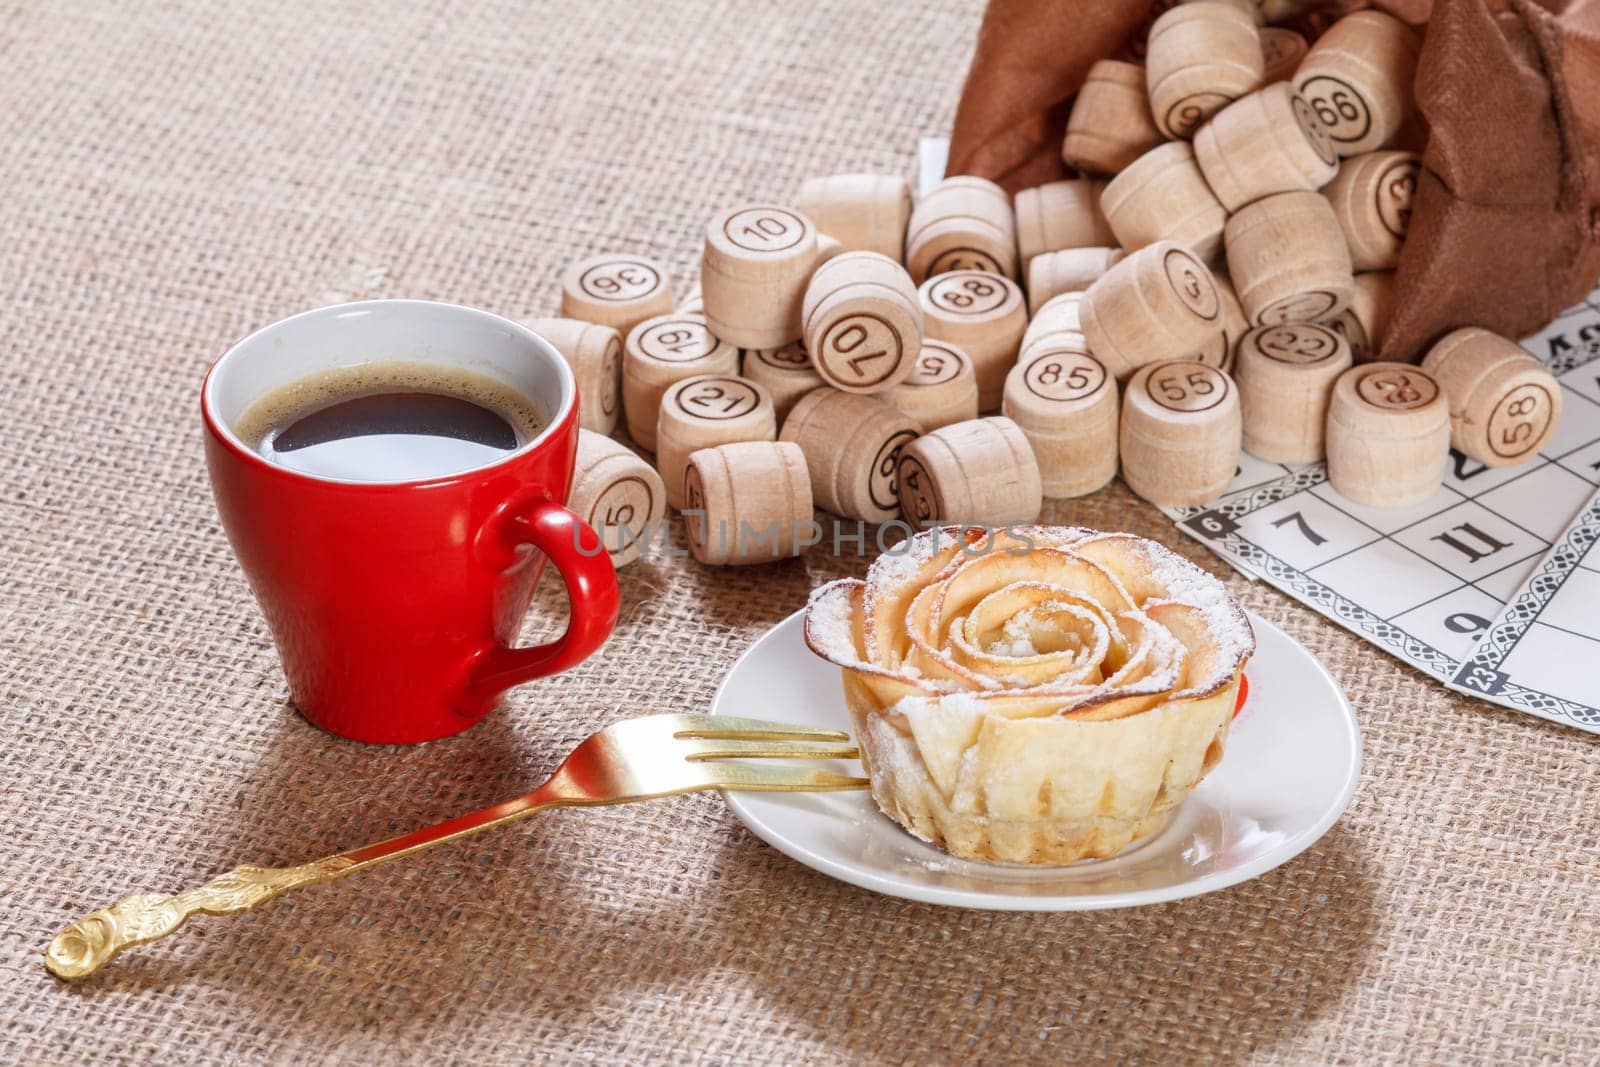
(1038, 695)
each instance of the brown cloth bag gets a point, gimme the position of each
(1505, 227)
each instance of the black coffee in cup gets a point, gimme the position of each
(390, 422)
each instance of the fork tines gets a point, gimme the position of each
(759, 739)
(727, 727)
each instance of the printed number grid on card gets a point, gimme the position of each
(1431, 584)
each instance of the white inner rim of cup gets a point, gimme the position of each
(389, 331)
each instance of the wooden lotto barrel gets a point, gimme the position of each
(1371, 198)
(1388, 435)
(753, 273)
(1110, 124)
(618, 494)
(963, 223)
(1180, 433)
(1252, 9)
(943, 388)
(704, 411)
(862, 322)
(1267, 142)
(979, 471)
(1504, 404)
(1057, 215)
(786, 373)
(659, 352)
(1281, 52)
(1058, 321)
(1364, 321)
(983, 314)
(1071, 270)
(1288, 259)
(616, 289)
(1162, 196)
(851, 444)
(1199, 58)
(1285, 375)
(594, 353)
(1219, 351)
(1357, 77)
(747, 502)
(863, 212)
(1065, 402)
(1158, 301)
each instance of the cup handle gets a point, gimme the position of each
(577, 552)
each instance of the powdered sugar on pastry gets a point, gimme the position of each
(1039, 694)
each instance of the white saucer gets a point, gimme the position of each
(1293, 757)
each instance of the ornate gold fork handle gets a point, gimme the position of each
(81, 948)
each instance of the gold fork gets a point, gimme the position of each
(640, 759)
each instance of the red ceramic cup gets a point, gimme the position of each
(394, 605)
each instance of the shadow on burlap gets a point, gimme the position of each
(176, 177)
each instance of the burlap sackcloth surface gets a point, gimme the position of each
(174, 176)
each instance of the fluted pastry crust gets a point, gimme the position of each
(1042, 695)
